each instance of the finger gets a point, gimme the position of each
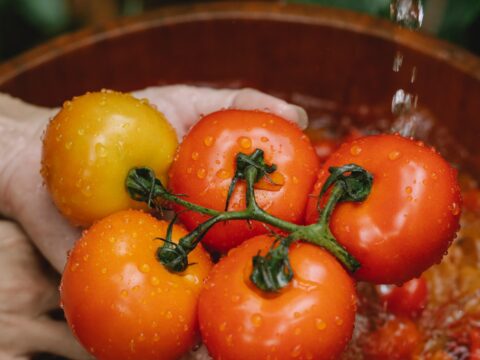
(183, 105)
(28, 287)
(22, 335)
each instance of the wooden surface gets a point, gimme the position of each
(323, 53)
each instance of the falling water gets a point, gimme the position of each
(408, 14)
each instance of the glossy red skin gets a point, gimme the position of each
(408, 299)
(411, 215)
(120, 302)
(205, 164)
(397, 339)
(312, 318)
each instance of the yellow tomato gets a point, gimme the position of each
(90, 146)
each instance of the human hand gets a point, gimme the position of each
(28, 291)
(24, 198)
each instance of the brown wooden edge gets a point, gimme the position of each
(310, 14)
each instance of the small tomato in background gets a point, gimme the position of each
(120, 302)
(397, 339)
(311, 318)
(205, 164)
(90, 146)
(410, 217)
(407, 300)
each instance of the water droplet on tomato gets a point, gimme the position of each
(195, 155)
(223, 174)
(338, 320)
(208, 141)
(235, 298)
(124, 293)
(257, 319)
(201, 173)
(229, 339)
(145, 268)
(297, 331)
(192, 278)
(296, 314)
(68, 145)
(295, 180)
(100, 150)
(408, 189)
(155, 281)
(67, 105)
(264, 139)
(74, 266)
(454, 208)
(355, 150)
(169, 315)
(104, 271)
(296, 351)
(189, 170)
(81, 132)
(245, 142)
(394, 155)
(320, 324)
(222, 326)
(87, 191)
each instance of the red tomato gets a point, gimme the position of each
(407, 300)
(205, 165)
(312, 318)
(398, 339)
(120, 302)
(411, 215)
(475, 344)
(471, 199)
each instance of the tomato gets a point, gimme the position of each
(397, 339)
(411, 215)
(407, 300)
(312, 318)
(472, 200)
(474, 344)
(90, 146)
(120, 302)
(205, 164)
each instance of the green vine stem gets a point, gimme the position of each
(272, 271)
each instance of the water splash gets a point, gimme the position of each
(407, 13)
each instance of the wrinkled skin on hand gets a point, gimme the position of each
(27, 292)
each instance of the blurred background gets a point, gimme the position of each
(26, 23)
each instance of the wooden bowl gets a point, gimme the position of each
(338, 56)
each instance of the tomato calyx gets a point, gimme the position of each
(271, 272)
(242, 162)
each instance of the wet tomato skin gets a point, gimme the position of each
(411, 215)
(120, 302)
(90, 146)
(312, 318)
(205, 164)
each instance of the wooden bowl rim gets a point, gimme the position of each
(295, 13)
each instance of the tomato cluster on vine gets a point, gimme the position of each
(294, 234)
